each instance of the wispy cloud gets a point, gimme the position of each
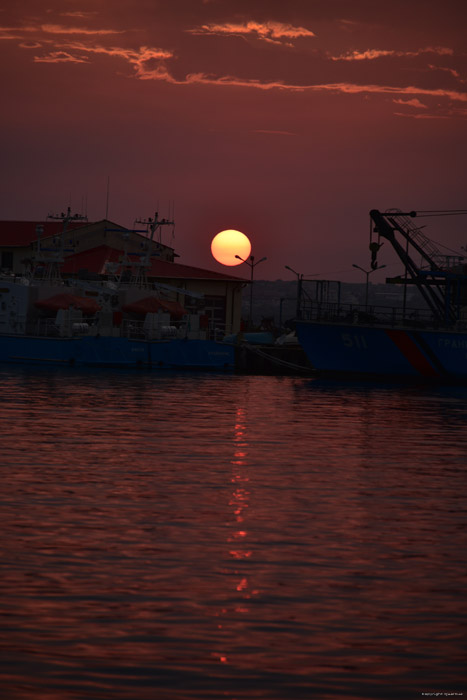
(59, 57)
(78, 14)
(30, 45)
(451, 71)
(141, 59)
(40, 29)
(344, 88)
(368, 55)
(274, 32)
(59, 29)
(372, 54)
(9, 34)
(392, 89)
(423, 116)
(348, 23)
(411, 103)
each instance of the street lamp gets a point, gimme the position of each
(299, 289)
(367, 273)
(251, 262)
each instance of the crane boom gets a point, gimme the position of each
(440, 288)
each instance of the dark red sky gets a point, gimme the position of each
(286, 120)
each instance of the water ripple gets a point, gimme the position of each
(188, 537)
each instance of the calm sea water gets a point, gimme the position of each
(178, 536)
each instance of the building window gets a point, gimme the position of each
(7, 260)
(215, 310)
(214, 307)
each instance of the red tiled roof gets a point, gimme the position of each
(23, 233)
(95, 259)
(164, 268)
(64, 301)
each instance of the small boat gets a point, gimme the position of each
(425, 342)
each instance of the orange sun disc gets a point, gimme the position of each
(227, 244)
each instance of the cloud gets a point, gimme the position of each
(369, 54)
(161, 73)
(273, 32)
(142, 59)
(344, 88)
(15, 32)
(392, 89)
(5, 35)
(80, 15)
(423, 116)
(19, 32)
(451, 71)
(411, 103)
(372, 54)
(59, 29)
(59, 57)
(30, 45)
(348, 23)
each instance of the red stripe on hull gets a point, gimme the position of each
(412, 352)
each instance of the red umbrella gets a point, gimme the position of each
(64, 301)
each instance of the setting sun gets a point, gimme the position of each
(227, 244)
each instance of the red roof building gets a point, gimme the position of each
(105, 250)
(20, 240)
(21, 234)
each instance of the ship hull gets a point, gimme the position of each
(96, 351)
(384, 350)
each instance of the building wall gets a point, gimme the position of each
(222, 300)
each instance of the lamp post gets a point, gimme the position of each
(251, 262)
(299, 290)
(367, 273)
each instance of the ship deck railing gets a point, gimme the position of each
(134, 329)
(371, 315)
(48, 328)
(137, 330)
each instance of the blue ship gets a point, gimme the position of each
(45, 320)
(68, 329)
(427, 342)
(98, 351)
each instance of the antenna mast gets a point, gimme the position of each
(141, 268)
(51, 259)
(107, 198)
